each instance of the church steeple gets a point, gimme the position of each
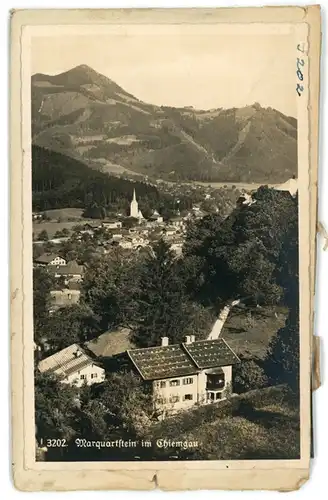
(134, 209)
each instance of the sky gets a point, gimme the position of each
(181, 68)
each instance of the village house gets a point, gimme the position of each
(156, 217)
(63, 298)
(170, 231)
(73, 366)
(177, 222)
(182, 375)
(133, 242)
(89, 228)
(176, 247)
(50, 259)
(37, 216)
(72, 271)
(112, 224)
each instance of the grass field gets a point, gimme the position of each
(261, 424)
(65, 214)
(249, 334)
(53, 226)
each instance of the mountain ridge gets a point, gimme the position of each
(86, 115)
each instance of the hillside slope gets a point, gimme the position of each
(88, 116)
(60, 181)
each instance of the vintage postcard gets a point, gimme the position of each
(164, 173)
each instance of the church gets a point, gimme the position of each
(134, 208)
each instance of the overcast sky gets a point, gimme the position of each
(206, 70)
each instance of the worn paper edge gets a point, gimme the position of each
(282, 479)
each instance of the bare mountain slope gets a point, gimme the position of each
(88, 116)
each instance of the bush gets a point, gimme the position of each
(248, 375)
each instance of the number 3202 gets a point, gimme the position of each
(56, 443)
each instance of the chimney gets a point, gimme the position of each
(165, 341)
(192, 338)
(188, 339)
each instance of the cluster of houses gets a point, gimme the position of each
(144, 231)
(179, 375)
(71, 275)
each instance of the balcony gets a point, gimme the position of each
(215, 381)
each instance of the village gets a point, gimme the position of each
(181, 375)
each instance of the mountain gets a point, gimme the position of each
(60, 181)
(84, 114)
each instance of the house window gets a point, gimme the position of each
(174, 383)
(188, 380)
(161, 401)
(82, 377)
(188, 397)
(161, 384)
(174, 399)
(218, 395)
(94, 375)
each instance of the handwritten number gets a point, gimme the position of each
(299, 89)
(299, 64)
(300, 75)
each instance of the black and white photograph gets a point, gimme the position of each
(164, 199)
(165, 246)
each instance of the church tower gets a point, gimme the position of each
(134, 210)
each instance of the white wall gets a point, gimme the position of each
(75, 378)
(197, 389)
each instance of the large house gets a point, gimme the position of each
(181, 375)
(73, 366)
(50, 259)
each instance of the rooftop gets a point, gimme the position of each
(67, 361)
(181, 359)
(111, 343)
(162, 362)
(46, 258)
(210, 353)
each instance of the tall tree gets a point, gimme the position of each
(164, 308)
(240, 255)
(110, 286)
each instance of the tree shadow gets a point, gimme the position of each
(264, 418)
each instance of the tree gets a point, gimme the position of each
(43, 235)
(248, 375)
(110, 287)
(128, 409)
(283, 358)
(163, 305)
(43, 283)
(75, 323)
(240, 256)
(55, 405)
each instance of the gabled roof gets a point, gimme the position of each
(71, 267)
(67, 361)
(111, 343)
(162, 362)
(211, 353)
(177, 360)
(47, 257)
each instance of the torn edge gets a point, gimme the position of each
(316, 380)
(323, 232)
